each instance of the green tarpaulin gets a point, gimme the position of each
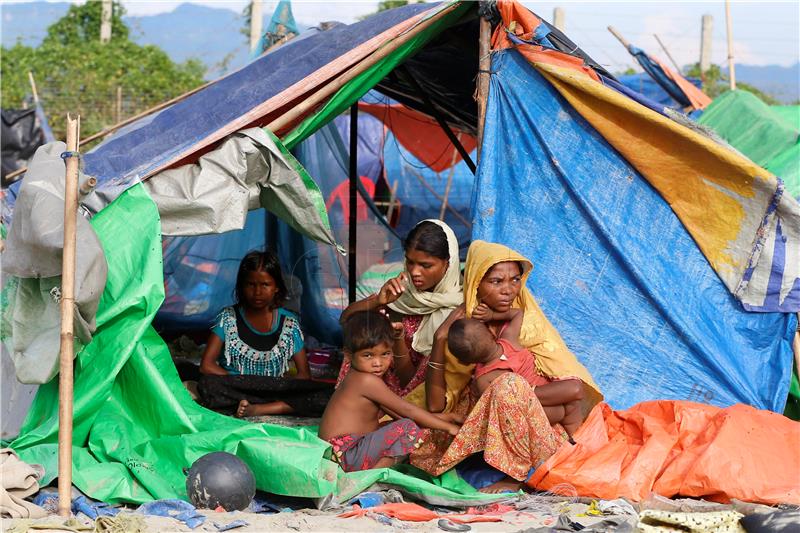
(767, 135)
(136, 427)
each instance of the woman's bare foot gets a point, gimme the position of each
(244, 409)
(507, 484)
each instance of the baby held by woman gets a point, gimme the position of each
(351, 419)
(471, 342)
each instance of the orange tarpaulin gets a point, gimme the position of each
(680, 448)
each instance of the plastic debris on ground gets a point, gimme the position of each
(178, 509)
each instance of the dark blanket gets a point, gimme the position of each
(223, 393)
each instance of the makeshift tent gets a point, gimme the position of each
(615, 204)
(769, 135)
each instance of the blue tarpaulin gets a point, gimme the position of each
(645, 85)
(614, 269)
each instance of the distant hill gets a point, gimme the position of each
(213, 36)
(783, 83)
(209, 34)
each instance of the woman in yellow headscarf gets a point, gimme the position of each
(509, 422)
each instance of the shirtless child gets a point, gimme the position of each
(471, 342)
(350, 421)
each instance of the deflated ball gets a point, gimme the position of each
(220, 479)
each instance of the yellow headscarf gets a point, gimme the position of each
(553, 358)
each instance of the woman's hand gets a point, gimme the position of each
(483, 313)
(392, 289)
(444, 328)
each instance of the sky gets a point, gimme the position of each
(764, 32)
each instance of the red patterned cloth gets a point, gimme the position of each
(362, 452)
(410, 325)
(518, 360)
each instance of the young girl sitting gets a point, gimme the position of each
(471, 342)
(248, 352)
(350, 422)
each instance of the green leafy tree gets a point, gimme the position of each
(76, 73)
(715, 82)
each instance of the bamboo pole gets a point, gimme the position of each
(677, 68)
(728, 24)
(340, 81)
(118, 107)
(65, 377)
(619, 36)
(392, 201)
(127, 121)
(482, 90)
(33, 87)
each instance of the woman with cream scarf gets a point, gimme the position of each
(423, 297)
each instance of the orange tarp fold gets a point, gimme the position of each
(680, 448)
(522, 23)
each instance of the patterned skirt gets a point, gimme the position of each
(507, 424)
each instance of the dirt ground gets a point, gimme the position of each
(321, 521)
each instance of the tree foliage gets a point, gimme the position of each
(715, 82)
(76, 73)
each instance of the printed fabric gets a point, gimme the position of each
(362, 452)
(507, 424)
(241, 358)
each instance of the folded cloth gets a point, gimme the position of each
(18, 480)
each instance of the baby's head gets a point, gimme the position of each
(470, 341)
(368, 340)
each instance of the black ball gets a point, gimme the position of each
(220, 479)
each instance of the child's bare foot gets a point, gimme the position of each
(507, 484)
(244, 409)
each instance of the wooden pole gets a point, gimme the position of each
(324, 92)
(677, 68)
(728, 24)
(392, 201)
(619, 37)
(67, 309)
(118, 107)
(484, 64)
(558, 19)
(705, 43)
(33, 87)
(105, 21)
(352, 224)
(255, 24)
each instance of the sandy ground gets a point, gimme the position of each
(320, 521)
